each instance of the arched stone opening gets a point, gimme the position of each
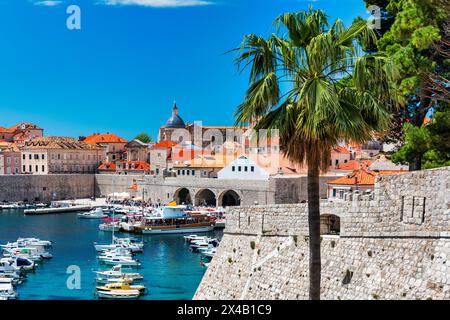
(330, 224)
(205, 197)
(182, 196)
(229, 198)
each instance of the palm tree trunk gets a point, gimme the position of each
(314, 231)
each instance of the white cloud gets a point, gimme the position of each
(158, 3)
(47, 3)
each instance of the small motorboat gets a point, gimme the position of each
(7, 292)
(210, 253)
(193, 237)
(17, 263)
(119, 294)
(97, 213)
(117, 272)
(122, 261)
(109, 227)
(124, 285)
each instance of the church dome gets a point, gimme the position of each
(175, 120)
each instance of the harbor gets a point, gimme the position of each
(170, 270)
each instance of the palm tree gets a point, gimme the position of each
(312, 82)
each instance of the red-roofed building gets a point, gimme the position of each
(114, 145)
(133, 167)
(107, 167)
(161, 157)
(20, 133)
(360, 180)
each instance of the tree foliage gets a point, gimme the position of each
(143, 137)
(311, 81)
(429, 143)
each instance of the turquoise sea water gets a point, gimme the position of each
(170, 270)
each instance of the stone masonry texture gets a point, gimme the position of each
(393, 244)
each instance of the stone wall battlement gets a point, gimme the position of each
(409, 205)
(393, 246)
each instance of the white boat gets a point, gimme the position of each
(115, 273)
(7, 291)
(210, 253)
(34, 253)
(97, 213)
(119, 294)
(109, 227)
(122, 261)
(116, 253)
(16, 264)
(12, 278)
(193, 237)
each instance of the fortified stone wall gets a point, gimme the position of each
(158, 189)
(46, 187)
(393, 244)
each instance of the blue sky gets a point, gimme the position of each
(131, 59)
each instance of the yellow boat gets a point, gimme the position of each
(125, 285)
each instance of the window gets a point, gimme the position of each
(245, 168)
(23, 156)
(187, 172)
(42, 156)
(37, 168)
(178, 172)
(334, 193)
(252, 169)
(24, 168)
(29, 156)
(336, 162)
(59, 156)
(36, 157)
(43, 168)
(30, 167)
(233, 168)
(193, 172)
(182, 172)
(239, 168)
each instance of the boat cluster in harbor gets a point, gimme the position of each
(206, 246)
(18, 258)
(157, 220)
(119, 281)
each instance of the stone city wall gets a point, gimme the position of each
(45, 188)
(393, 244)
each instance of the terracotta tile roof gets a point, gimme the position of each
(205, 161)
(340, 149)
(19, 126)
(107, 166)
(8, 147)
(104, 138)
(58, 143)
(361, 177)
(136, 165)
(166, 144)
(354, 165)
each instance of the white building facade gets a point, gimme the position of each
(243, 168)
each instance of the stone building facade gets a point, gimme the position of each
(393, 244)
(47, 155)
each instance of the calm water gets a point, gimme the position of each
(170, 270)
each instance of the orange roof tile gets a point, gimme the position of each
(104, 138)
(166, 144)
(138, 165)
(362, 177)
(107, 166)
(354, 165)
(340, 149)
